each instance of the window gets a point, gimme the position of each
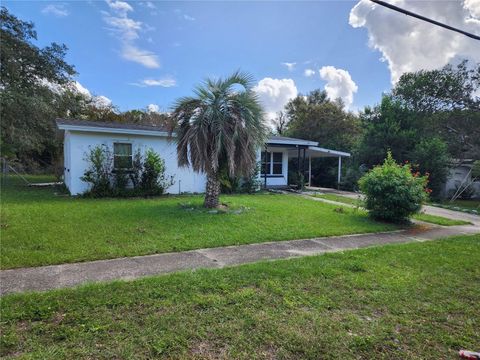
(274, 163)
(277, 163)
(122, 156)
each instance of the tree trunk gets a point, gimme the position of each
(212, 193)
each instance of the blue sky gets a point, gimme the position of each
(140, 53)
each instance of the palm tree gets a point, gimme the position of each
(222, 126)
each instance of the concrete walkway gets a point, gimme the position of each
(68, 275)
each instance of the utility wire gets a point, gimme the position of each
(406, 12)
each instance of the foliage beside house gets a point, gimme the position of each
(122, 173)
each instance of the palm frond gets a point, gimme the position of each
(220, 126)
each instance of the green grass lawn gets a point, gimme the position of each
(410, 301)
(40, 228)
(439, 220)
(462, 204)
(433, 219)
(340, 198)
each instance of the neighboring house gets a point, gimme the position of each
(124, 139)
(460, 174)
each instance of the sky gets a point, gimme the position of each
(146, 54)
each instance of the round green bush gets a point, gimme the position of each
(392, 192)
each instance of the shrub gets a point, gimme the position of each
(392, 192)
(135, 174)
(240, 184)
(147, 176)
(99, 172)
(154, 181)
(228, 184)
(120, 182)
(251, 183)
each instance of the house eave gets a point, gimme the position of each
(329, 152)
(97, 129)
(291, 142)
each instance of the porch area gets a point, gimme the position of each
(279, 150)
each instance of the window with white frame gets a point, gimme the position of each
(122, 156)
(272, 162)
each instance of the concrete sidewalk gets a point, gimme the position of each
(68, 275)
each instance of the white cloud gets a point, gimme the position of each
(275, 93)
(309, 72)
(153, 108)
(119, 6)
(76, 86)
(148, 4)
(188, 17)
(127, 30)
(163, 82)
(408, 44)
(57, 10)
(290, 65)
(102, 102)
(143, 57)
(339, 84)
(473, 6)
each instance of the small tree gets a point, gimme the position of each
(392, 192)
(222, 126)
(154, 181)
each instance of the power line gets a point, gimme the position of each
(406, 12)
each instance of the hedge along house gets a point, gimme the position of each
(124, 140)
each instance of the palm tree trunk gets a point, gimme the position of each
(212, 193)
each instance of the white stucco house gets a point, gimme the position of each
(125, 139)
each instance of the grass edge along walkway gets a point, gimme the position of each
(432, 219)
(68, 275)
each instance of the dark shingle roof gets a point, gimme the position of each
(111, 125)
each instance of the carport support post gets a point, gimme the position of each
(303, 164)
(298, 162)
(310, 170)
(339, 171)
(266, 167)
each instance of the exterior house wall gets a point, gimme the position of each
(275, 181)
(77, 145)
(456, 177)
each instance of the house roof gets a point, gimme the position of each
(151, 130)
(282, 140)
(110, 127)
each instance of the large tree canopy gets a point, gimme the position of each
(447, 101)
(315, 117)
(28, 101)
(430, 117)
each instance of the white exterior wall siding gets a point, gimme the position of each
(77, 145)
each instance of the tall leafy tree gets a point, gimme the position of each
(447, 101)
(29, 102)
(315, 117)
(387, 127)
(222, 126)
